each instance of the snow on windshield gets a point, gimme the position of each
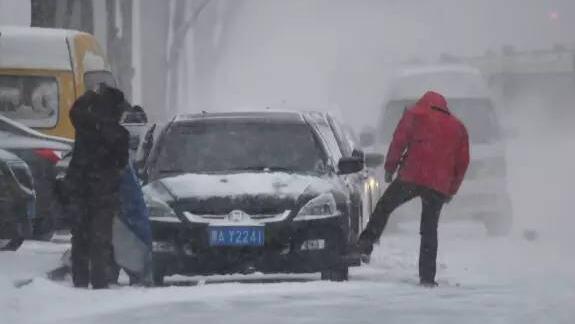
(237, 146)
(32, 100)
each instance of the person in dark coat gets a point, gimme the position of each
(99, 158)
(430, 148)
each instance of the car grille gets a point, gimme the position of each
(218, 207)
(264, 216)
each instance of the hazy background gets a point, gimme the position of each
(341, 53)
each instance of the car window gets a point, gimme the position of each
(93, 79)
(31, 100)
(344, 143)
(325, 131)
(189, 147)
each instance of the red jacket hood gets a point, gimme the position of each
(433, 99)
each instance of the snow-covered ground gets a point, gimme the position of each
(483, 280)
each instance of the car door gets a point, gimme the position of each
(355, 181)
(322, 125)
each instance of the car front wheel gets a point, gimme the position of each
(158, 276)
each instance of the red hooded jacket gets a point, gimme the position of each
(430, 146)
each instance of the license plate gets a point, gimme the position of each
(236, 235)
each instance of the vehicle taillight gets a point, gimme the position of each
(50, 155)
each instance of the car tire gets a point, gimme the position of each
(158, 276)
(338, 274)
(498, 225)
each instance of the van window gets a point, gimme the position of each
(478, 116)
(94, 78)
(31, 100)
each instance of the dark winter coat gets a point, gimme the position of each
(430, 146)
(101, 146)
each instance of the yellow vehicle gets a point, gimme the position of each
(42, 72)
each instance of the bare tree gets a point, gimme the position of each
(119, 42)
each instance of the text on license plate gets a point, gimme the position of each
(236, 235)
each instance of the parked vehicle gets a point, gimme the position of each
(242, 192)
(41, 153)
(17, 201)
(363, 185)
(483, 195)
(38, 87)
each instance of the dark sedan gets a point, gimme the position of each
(243, 192)
(17, 201)
(41, 153)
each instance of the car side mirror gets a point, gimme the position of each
(349, 165)
(367, 138)
(374, 160)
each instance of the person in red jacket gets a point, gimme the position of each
(430, 153)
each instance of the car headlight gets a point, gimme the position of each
(159, 209)
(322, 206)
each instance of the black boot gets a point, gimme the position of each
(428, 283)
(361, 251)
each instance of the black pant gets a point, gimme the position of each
(92, 241)
(396, 195)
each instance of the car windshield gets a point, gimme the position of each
(478, 116)
(31, 100)
(228, 146)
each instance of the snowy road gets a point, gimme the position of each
(483, 280)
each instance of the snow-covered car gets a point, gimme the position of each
(342, 142)
(243, 192)
(483, 195)
(17, 201)
(41, 153)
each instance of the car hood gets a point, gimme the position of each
(209, 186)
(254, 193)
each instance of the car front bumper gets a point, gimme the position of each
(290, 247)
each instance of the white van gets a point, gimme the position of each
(483, 195)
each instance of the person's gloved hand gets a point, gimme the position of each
(388, 177)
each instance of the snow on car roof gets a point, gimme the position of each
(271, 115)
(442, 68)
(451, 80)
(35, 48)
